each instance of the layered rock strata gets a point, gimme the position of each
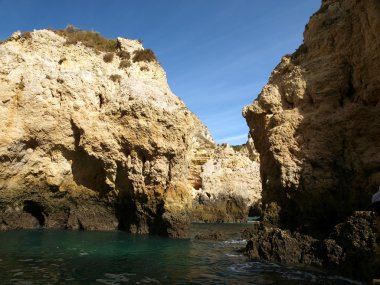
(92, 139)
(230, 185)
(316, 124)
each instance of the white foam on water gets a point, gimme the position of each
(241, 267)
(26, 260)
(235, 241)
(83, 253)
(234, 255)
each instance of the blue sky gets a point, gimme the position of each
(218, 54)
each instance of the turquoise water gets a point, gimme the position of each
(79, 257)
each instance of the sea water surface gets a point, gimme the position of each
(82, 257)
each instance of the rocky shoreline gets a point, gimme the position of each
(351, 249)
(92, 138)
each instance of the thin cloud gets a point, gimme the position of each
(232, 139)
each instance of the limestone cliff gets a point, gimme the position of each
(91, 136)
(230, 184)
(316, 124)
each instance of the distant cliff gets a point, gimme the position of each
(229, 185)
(316, 123)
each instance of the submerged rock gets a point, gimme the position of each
(212, 235)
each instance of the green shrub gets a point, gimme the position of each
(108, 57)
(237, 147)
(146, 55)
(125, 64)
(88, 38)
(115, 77)
(124, 54)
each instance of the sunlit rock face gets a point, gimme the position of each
(316, 123)
(91, 139)
(229, 185)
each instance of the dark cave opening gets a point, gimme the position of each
(36, 210)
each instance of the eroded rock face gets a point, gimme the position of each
(87, 142)
(316, 124)
(230, 184)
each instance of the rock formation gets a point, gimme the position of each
(229, 184)
(316, 124)
(91, 136)
(350, 249)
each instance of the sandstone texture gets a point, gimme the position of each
(229, 185)
(351, 248)
(316, 124)
(91, 140)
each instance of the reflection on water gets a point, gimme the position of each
(77, 257)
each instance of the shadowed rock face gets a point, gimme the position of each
(89, 143)
(316, 123)
(351, 249)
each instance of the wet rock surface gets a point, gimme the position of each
(351, 249)
(210, 235)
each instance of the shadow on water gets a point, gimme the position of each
(57, 257)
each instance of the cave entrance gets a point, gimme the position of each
(36, 210)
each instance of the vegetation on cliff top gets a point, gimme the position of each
(94, 40)
(237, 147)
(90, 39)
(144, 55)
